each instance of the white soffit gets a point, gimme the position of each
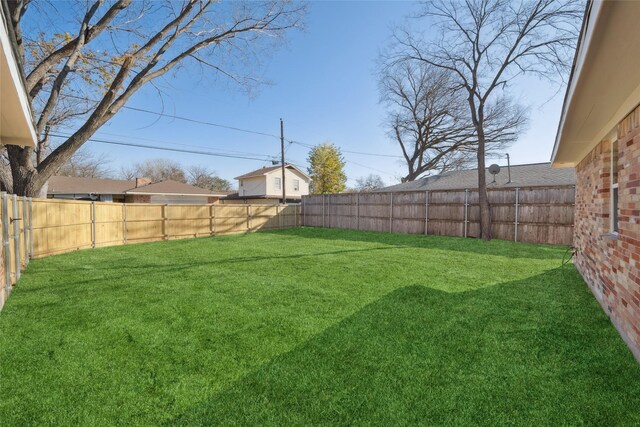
(605, 85)
(16, 126)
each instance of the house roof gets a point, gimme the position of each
(604, 86)
(16, 122)
(171, 187)
(530, 175)
(235, 195)
(265, 170)
(74, 185)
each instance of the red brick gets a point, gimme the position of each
(610, 266)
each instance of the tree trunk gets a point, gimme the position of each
(485, 208)
(26, 179)
(411, 176)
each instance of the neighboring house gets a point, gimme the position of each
(531, 175)
(266, 183)
(140, 190)
(16, 124)
(599, 135)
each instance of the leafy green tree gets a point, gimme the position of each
(326, 169)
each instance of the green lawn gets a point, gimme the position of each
(312, 326)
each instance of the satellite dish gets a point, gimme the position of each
(494, 170)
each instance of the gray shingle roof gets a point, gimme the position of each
(75, 185)
(170, 187)
(265, 170)
(531, 175)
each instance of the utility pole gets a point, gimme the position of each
(509, 167)
(284, 191)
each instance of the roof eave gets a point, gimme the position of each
(591, 12)
(21, 127)
(604, 86)
(135, 193)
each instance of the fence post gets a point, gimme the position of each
(295, 215)
(31, 239)
(124, 223)
(213, 218)
(5, 243)
(165, 236)
(304, 212)
(466, 211)
(25, 229)
(210, 220)
(426, 212)
(390, 212)
(329, 210)
(357, 211)
(515, 237)
(323, 211)
(93, 224)
(16, 236)
(248, 218)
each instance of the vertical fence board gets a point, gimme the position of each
(546, 213)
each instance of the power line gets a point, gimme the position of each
(369, 167)
(176, 117)
(349, 151)
(235, 128)
(177, 150)
(179, 144)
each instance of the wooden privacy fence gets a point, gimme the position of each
(533, 215)
(33, 228)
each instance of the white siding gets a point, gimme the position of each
(265, 185)
(289, 176)
(252, 186)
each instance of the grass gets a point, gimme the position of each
(312, 326)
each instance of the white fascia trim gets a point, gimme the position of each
(16, 76)
(595, 12)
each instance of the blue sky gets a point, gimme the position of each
(325, 89)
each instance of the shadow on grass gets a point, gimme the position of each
(536, 352)
(162, 269)
(459, 244)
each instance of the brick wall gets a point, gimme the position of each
(609, 263)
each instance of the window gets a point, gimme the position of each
(296, 185)
(614, 186)
(277, 183)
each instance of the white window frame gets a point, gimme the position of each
(614, 201)
(277, 183)
(296, 185)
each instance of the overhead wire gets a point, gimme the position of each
(267, 158)
(263, 158)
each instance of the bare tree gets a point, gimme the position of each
(203, 177)
(486, 45)
(119, 47)
(369, 183)
(430, 121)
(86, 164)
(156, 170)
